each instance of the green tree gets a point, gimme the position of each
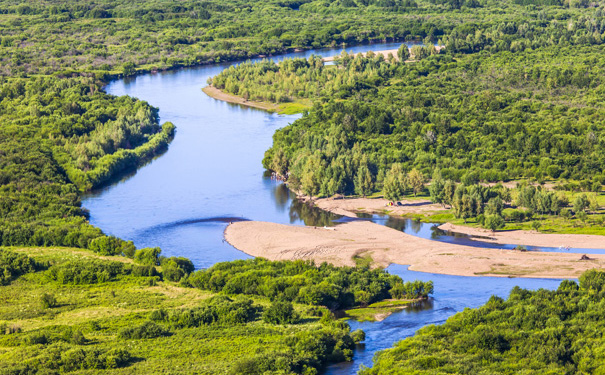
(128, 69)
(403, 53)
(580, 203)
(394, 183)
(437, 189)
(280, 313)
(494, 222)
(363, 181)
(416, 181)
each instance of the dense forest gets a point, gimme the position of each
(533, 332)
(481, 117)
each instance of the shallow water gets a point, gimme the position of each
(212, 175)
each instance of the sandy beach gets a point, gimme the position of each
(349, 206)
(341, 244)
(384, 53)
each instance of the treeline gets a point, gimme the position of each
(59, 137)
(539, 331)
(492, 206)
(482, 117)
(304, 282)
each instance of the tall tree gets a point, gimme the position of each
(403, 52)
(416, 181)
(394, 183)
(437, 188)
(363, 181)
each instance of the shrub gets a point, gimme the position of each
(147, 330)
(175, 268)
(86, 271)
(13, 265)
(48, 301)
(149, 256)
(280, 313)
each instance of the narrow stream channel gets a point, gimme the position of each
(212, 174)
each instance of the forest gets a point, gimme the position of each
(370, 113)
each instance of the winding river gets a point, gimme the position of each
(212, 174)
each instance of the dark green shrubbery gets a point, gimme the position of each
(303, 282)
(110, 245)
(146, 330)
(92, 271)
(148, 255)
(13, 265)
(86, 271)
(304, 351)
(280, 313)
(55, 334)
(175, 268)
(217, 310)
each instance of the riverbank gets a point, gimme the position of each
(282, 109)
(342, 244)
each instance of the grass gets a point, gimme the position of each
(377, 311)
(99, 311)
(293, 108)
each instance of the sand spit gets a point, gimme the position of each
(531, 238)
(218, 94)
(340, 245)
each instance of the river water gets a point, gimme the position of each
(212, 174)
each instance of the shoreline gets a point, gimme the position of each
(218, 94)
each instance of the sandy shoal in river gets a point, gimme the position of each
(348, 207)
(385, 245)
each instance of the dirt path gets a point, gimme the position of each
(385, 245)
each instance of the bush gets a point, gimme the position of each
(48, 301)
(147, 330)
(216, 310)
(149, 256)
(110, 245)
(13, 265)
(280, 313)
(175, 268)
(86, 271)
